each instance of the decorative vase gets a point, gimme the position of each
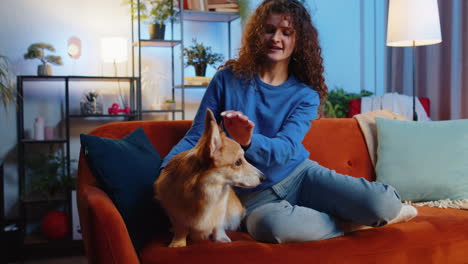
(39, 128)
(91, 108)
(200, 69)
(44, 70)
(156, 31)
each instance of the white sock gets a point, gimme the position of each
(407, 213)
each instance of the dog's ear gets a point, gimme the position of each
(221, 126)
(212, 135)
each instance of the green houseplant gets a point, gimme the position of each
(155, 13)
(199, 56)
(337, 103)
(170, 104)
(51, 174)
(7, 86)
(37, 51)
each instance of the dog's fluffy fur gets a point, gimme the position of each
(195, 187)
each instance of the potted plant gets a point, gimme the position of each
(7, 85)
(337, 103)
(90, 105)
(52, 179)
(200, 56)
(37, 51)
(170, 104)
(155, 13)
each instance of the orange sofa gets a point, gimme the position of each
(434, 236)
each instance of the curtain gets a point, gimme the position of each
(441, 69)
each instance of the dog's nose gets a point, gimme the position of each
(262, 179)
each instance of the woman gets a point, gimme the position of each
(267, 99)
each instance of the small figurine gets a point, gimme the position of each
(115, 110)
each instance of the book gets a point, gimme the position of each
(224, 5)
(220, 1)
(200, 5)
(197, 80)
(225, 10)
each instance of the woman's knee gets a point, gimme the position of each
(382, 206)
(282, 223)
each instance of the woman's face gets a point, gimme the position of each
(279, 38)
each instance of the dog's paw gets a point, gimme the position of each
(178, 243)
(224, 239)
(221, 237)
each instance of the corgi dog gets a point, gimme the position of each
(195, 187)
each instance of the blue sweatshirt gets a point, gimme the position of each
(282, 116)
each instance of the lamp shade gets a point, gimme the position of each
(114, 50)
(413, 21)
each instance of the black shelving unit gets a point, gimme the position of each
(33, 243)
(185, 16)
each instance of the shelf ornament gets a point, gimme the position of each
(37, 51)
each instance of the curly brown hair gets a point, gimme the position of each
(306, 59)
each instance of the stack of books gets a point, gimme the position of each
(197, 80)
(228, 7)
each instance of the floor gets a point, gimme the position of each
(68, 260)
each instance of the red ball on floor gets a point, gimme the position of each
(55, 225)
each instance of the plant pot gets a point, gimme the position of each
(170, 106)
(200, 69)
(156, 31)
(44, 70)
(91, 108)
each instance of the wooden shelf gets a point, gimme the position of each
(209, 16)
(102, 116)
(158, 43)
(37, 198)
(161, 111)
(191, 86)
(75, 78)
(49, 141)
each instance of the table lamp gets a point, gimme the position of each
(114, 50)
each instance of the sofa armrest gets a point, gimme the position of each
(106, 235)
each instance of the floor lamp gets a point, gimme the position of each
(413, 23)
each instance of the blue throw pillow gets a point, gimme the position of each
(424, 161)
(127, 168)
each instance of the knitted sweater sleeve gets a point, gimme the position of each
(279, 149)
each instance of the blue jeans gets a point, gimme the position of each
(309, 204)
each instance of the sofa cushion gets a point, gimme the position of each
(126, 170)
(434, 236)
(343, 150)
(424, 161)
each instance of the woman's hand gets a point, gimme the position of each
(239, 127)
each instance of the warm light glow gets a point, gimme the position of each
(74, 47)
(114, 50)
(413, 21)
(73, 50)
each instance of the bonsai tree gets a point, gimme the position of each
(337, 103)
(7, 85)
(200, 56)
(37, 51)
